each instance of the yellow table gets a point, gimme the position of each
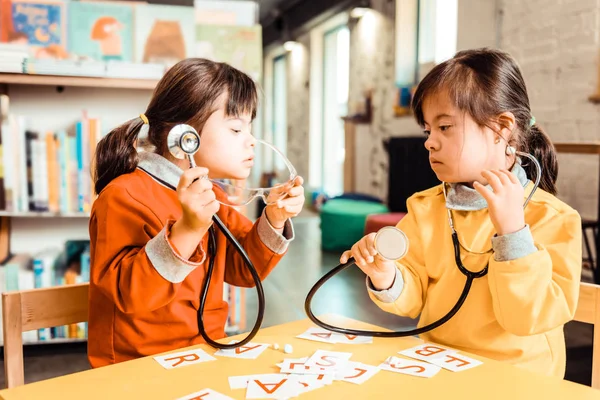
(146, 379)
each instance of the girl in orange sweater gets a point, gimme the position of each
(148, 241)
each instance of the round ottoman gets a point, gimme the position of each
(343, 222)
(377, 221)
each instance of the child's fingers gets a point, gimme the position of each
(204, 198)
(358, 257)
(370, 239)
(190, 175)
(293, 210)
(200, 186)
(503, 178)
(345, 256)
(212, 207)
(295, 191)
(483, 191)
(493, 180)
(365, 251)
(511, 177)
(290, 201)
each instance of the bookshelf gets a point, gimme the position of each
(43, 214)
(48, 109)
(52, 103)
(77, 81)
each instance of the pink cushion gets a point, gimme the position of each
(377, 221)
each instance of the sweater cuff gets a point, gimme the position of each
(388, 295)
(165, 259)
(513, 245)
(277, 243)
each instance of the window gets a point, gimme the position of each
(279, 104)
(336, 80)
(425, 36)
(329, 85)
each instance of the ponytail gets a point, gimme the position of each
(539, 145)
(116, 154)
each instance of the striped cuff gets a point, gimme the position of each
(513, 245)
(389, 295)
(277, 243)
(167, 262)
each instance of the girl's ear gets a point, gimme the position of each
(507, 122)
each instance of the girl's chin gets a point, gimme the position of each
(233, 175)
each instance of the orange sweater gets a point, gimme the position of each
(143, 296)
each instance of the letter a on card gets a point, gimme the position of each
(317, 335)
(273, 387)
(184, 358)
(249, 351)
(351, 339)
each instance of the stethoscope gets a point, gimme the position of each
(183, 142)
(392, 244)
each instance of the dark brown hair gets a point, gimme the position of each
(187, 94)
(486, 83)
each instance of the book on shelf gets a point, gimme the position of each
(71, 265)
(125, 39)
(49, 171)
(48, 268)
(12, 57)
(101, 31)
(39, 24)
(236, 298)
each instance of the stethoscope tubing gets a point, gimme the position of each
(257, 282)
(463, 296)
(471, 276)
(204, 293)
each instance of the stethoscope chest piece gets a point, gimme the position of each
(183, 140)
(391, 243)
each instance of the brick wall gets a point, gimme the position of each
(555, 43)
(372, 65)
(556, 46)
(298, 64)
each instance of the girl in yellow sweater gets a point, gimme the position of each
(474, 108)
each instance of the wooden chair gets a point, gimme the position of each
(588, 311)
(27, 310)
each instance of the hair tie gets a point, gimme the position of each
(144, 118)
(532, 121)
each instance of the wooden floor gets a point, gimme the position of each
(285, 291)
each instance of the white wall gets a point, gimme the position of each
(556, 45)
(46, 109)
(298, 104)
(373, 66)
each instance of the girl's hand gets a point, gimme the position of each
(505, 203)
(382, 272)
(197, 199)
(288, 207)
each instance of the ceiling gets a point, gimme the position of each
(267, 8)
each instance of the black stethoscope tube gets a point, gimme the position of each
(463, 296)
(212, 249)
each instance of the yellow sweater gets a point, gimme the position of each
(517, 311)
